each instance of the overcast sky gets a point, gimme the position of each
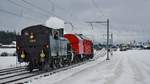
(129, 19)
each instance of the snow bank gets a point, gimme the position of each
(128, 67)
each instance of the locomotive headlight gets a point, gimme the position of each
(22, 55)
(42, 54)
(31, 36)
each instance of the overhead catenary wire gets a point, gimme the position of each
(39, 8)
(17, 15)
(48, 12)
(58, 6)
(11, 13)
(98, 9)
(43, 12)
(55, 5)
(11, 1)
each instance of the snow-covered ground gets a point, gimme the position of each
(127, 67)
(9, 51)
(9, 62)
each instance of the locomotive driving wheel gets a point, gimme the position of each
(44, 66)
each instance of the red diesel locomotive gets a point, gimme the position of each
(82, 47)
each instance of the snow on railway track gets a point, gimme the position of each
(9, 69)
(100, 56)
(12, 70)
(24, 75)
(20, 75)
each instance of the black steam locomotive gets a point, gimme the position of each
(43, 48)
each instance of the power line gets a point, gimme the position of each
(98, 9)
(15, 14)
(24, 7)
(45, 11)
(53, 6)
(11, 13)
(58, 6)
(36, 7)
(32, 5)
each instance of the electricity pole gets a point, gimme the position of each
(106, 22)
(111, 38)
(107, 40)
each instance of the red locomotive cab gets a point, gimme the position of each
(81, 45)
(76, 43)
(87, 46)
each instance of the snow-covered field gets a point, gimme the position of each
(9, 61)
(127, 67)
(8, 50)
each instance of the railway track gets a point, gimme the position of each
(12, 70)
(9, 69)
(20, 75)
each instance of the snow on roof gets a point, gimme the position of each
(54, 22)
(82, 36)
